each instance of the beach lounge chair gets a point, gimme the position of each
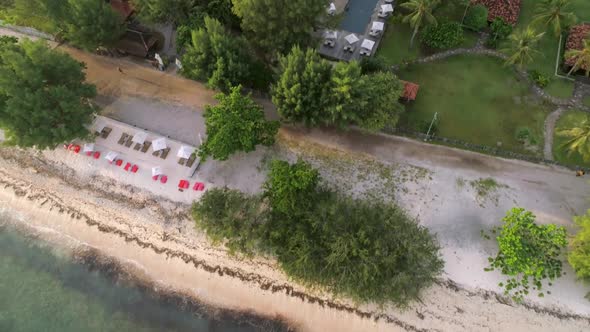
(127, 166)
(134, 169)
(106, 131)
(122, 139)
(199, 186)
(184, 184)
(181, 161)
(165, 153)
(75, 148)
(119, 162)
(137, 146)
(202, 187)
(155, 177)
(96, 155)
(146, 146)
(89, 153)
(196, 186)
(129, 141)
(164, 179)
(191, 160)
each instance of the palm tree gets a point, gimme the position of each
(579, 139)
(582, 58)
(420, 10)
(522, 46)
(555, 13)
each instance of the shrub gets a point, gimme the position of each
(523, 134)
(579, 256)
(365, 249)
(476, 18)
(443, 36)
(539, 79)
(373, 64)
(499, 31)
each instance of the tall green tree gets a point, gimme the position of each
(45, 100)
(382, 92)
(302, 92)
(555, 14)
(579, 255)
(237, 123)
(582, 58)
(277, 25)
(165, 11)
(528, 253)
(217, 57)
(91, 24)
(579, 139)
(522, 46)
(420, 11)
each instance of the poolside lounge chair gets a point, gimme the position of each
(156, 153)
(106, 131)
(127, 166)
(181, 161)
(184, 184)
(121, 140)
(191, 160)
(134, 169)
(329, 42)
(119, 162)
(96, 155)
(165, 152)
(199, 186)
(146, 146)
(164, 179)
(155, 177)
(75, 148)
(129, 141)
(137, 146)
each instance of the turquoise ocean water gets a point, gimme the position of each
(43, 290)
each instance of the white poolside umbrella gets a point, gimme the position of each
(111, 156)
(332, 9)
(159, 144)
(185, 152)
(377, 26)
(89, 147)
(387, 8)
(352, 38)
(368, 44)
(99, 125)
(139, 137)
(156, 171)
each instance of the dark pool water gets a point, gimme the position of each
(358, 15)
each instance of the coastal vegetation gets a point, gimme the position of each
(579, 255)
(236, 123)
(366, 250)
(528, 253)
(44, 100)
(570, 142)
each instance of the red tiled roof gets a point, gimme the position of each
(575, 40)
(506, 9)
(410, 90)
(123, 7)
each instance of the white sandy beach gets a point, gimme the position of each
(151, 235)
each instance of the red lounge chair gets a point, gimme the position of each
(196, 186)
(96, 155)
(134, 169)
(127, 166)
(155, 177)
(164, 179)
(89, 153)
(75, 148)
(184, 184)
(201, 186)
(119, 162)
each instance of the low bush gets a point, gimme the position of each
(476, 18)
(540, 79)
(443, 36)
(499, 31)
(367, 250)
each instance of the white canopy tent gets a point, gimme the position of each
(368, 44)
(185, 152)
(352, 38)
(377, 26)
(159, 144)
(387, 8)
(156, 171)
(139, 137)
(111, 156)
(88, 147)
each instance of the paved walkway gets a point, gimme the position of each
(550, 123)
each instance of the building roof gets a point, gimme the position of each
(122, 7)
(410, 90)
(575, 40)
(506, 9)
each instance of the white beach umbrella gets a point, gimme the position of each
(157, 171)
(330, 34)
(99, 125)
(377, 26)
(88, 147)
(159, 144)
(388, 8)
(185, 152)
(139, 137)
(111, 156)
(368, 44)
(352, 38)
(332, 9)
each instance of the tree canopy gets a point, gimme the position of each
(419, 11)
(579, 138)
(523, 45)
(579, 255)
(235, 124)
(582, 58)
(528, 253)
(44, 100)
(554, 14)
(277, 25)
(367, 250)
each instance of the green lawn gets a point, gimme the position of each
(586, 101)
(478, 100)
(560, 153)
(560, 88)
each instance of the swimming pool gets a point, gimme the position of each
(358, 15)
